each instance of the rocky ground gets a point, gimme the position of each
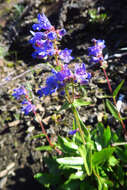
(19, 160)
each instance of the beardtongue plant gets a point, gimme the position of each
(85, 155)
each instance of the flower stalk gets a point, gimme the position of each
(114, 100)
(78, 123)
(43, 129)
(76, 115)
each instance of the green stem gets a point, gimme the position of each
(68, 95)
(78, 123)
(75, 114)
(114, 100)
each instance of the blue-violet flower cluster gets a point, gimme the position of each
(45, 43)
(95, 52)
(27, 106)
(59, 79)
(55, 81)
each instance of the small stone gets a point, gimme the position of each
(3, 182)
(30, 129)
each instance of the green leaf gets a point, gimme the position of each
(70, 166)
(86, 132)
(122, 153)
(47, 179)
(38, 136)
(116, 91)
(107, 136)
(29, 89)
(42, 148)
(120, 173)
(70, 185)
(80, 102)
(42, 178)
(67, 146)
(113, 161)
(86, 153)
(102, 156)
(115, 137)
(102, 136)
(77, 175)
(87, 186)
(75, 161)
(112, 109)
(103, 183)
(65, 106)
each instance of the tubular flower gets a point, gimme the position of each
(81, 75)
(65, 73)
(96, 51)
(65, 55)
(44, 42)
(27, 107)
(18, 92)
(43, 23)
(52, 84)
(56, 81)
(43, 49)
(73, 132)
(37, 36)
(61, 32)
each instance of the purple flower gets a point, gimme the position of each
(62, 32)
(72, 132)
(52, 35)
(52, 84)
(37, 36)
(99, 43)
(65, 73)
(27, 107)
(40, 92)
(39, 54)
(43, 49)
(43, 23)
(62, 92)
(96, 59)
(96, 51)
(18, 92)
(81, 75)
(55, 82)
(65, 55)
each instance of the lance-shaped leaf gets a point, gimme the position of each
(107, 136)
(86, 132)
(65, 106)
(77, 175)
(112, 109)
(86, 153)
(116, 91)
(74, 161)
(67, 146)
(42, 148)
(80, 102)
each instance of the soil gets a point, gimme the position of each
(19, 159)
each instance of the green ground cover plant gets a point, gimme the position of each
(88, 158)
